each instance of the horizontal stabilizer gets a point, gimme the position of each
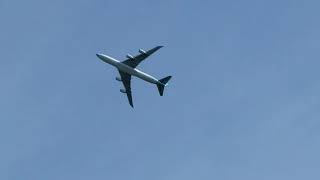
(163, 82)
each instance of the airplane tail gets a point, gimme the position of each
(163, 82)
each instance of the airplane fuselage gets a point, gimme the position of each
(127, 69)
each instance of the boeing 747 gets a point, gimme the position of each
(127, 68)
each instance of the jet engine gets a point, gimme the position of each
(130, 56)
(123, 91)
(118, 79)
(142, 51)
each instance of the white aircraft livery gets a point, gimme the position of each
(127, 68)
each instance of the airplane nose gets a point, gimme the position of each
(99, 56)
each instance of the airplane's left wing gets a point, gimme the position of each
(136, 60)
(126, 80)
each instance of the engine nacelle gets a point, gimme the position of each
(118, 79)
(142, 51)
(130, 56)
(123, 91)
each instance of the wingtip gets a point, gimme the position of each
(158, 47)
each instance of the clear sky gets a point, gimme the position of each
(243, 103)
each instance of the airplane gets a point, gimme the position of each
(127, 68)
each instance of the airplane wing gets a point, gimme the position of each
(126, 80)
(136, 60)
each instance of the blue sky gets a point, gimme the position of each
(243, 102)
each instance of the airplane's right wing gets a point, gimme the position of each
(136, 60)
(126, 80)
